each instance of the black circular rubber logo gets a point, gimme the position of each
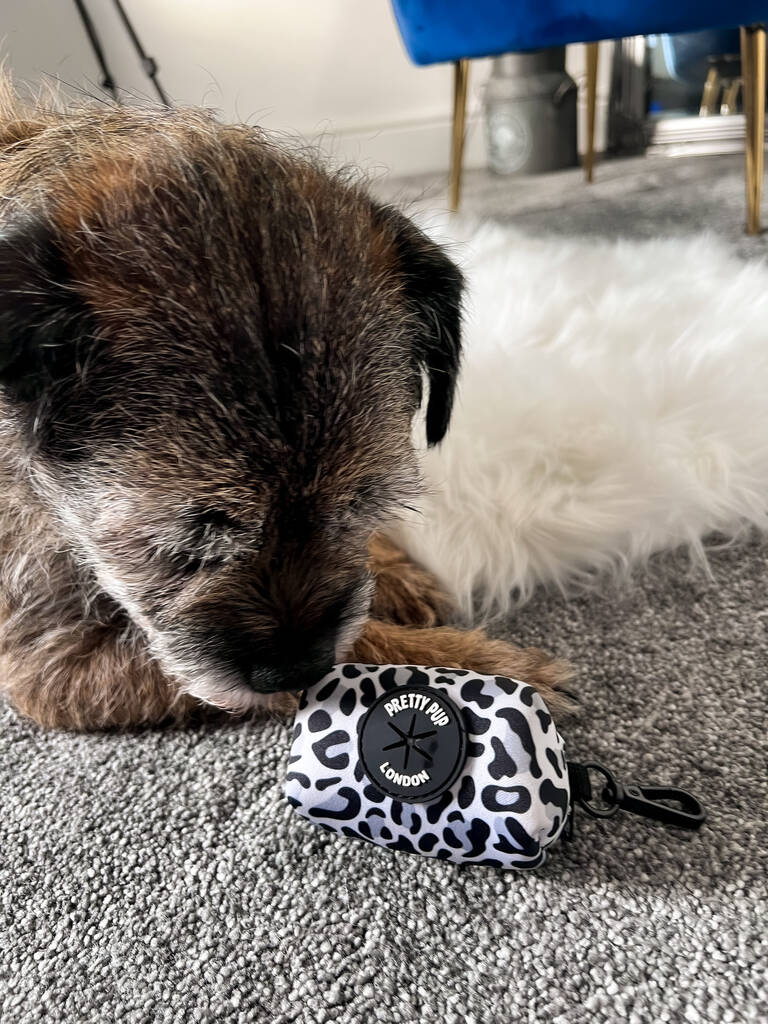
(412, 743)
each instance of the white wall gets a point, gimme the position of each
(330, 68)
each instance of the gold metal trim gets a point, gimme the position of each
(730, 99)
(460, 83)
(753, 76)
(589, 157)
(710, 93)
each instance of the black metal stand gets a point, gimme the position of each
(107, 79)
(149, 64)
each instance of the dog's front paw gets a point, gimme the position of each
(382, 643)
(545, 673)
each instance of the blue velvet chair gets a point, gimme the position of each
(436, 31)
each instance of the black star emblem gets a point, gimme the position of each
(408, 741)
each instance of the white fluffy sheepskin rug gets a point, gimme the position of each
(613, 403)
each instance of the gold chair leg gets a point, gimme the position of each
(730, 97)
(460, 82)
(589, 156)
(753, 75)
(710, 93)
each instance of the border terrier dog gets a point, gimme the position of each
(211, 354)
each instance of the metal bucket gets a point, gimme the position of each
(530, 113)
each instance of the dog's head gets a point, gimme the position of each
(211, 353)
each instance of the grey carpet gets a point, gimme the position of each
(158, 876)
(640, 197)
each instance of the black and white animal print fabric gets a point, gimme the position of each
(377, 754)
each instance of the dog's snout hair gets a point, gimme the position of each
(211, 352)
(279, 633)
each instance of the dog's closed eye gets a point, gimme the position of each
(373, 499)
(210, 538)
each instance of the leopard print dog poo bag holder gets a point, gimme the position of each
(445, 763)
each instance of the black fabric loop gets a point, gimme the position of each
(582, 792)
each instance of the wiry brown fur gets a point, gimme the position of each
(210, 355)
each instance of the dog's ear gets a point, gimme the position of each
(41, 316)
(433, 287)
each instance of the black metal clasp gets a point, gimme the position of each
(655, 802)
(660, 803)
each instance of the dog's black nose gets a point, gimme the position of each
(273, 664)
(295, 675)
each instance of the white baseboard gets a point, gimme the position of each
(423, 146)
(414, 147)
